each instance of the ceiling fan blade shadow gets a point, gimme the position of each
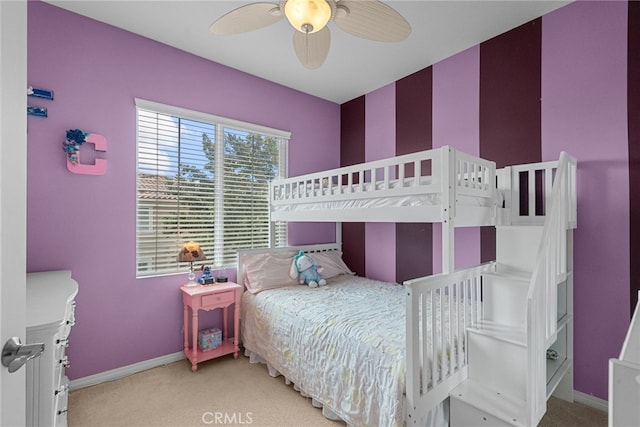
(312, 49)
(372, 20)
(247, 18)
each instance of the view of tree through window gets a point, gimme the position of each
(206, 181)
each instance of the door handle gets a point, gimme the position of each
(15, 354)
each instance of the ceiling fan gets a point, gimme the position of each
(369, 19)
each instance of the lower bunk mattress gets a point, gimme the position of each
(342, 344)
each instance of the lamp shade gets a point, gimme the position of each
(307, 16)
(191, 252)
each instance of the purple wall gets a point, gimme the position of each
(380, 144)
(414, 126)
(456, 116)
(578, 60)
(584, 112)
(87, 223)
(509, 105)
(352, 151)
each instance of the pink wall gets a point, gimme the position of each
(584, 112)
(87, 223)
(380, 134)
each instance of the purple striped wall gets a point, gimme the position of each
(584, 71)
(487, 100)
(456, 103)
(352, 151)
(380, 144)
(510, 96)
(509, 105)
(413, 133)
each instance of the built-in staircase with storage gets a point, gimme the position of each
(516, 349)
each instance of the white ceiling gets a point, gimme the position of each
(353, 67)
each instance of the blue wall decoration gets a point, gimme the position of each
(33, 110)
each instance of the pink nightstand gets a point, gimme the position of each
(210, 297)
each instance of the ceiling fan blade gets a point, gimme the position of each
(247, 18)
(371, 19)
(312, 49)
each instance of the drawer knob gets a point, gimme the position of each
(65, 362)
(62, 390)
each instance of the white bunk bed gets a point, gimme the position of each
(456, 189)
(624, 378)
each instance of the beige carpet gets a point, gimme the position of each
(227, 391)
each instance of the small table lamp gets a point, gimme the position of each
(191, 252)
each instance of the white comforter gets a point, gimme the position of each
(342, 344)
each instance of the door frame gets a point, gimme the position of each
(13, 200)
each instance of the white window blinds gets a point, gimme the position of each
(202, 178)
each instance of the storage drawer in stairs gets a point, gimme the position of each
(562, 300)
(557, 363)
(473, 405)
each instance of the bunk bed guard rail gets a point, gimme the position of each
(549, 270)
(439, 310)
(527, 191)
(441, 175)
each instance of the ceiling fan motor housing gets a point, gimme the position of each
(308, 16)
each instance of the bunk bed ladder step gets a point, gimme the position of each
(472, 405)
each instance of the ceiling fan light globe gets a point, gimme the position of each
(308, 16)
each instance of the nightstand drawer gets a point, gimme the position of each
(218, 299)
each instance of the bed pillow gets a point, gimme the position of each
(268, 271)
(332, 263)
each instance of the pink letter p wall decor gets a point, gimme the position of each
(100, 166)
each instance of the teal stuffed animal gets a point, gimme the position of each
(306, 271)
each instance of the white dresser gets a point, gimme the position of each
(50, 316)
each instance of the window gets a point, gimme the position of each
(202, 178)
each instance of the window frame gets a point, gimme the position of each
(221, 124)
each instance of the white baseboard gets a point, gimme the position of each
(589, 400)
(124, 371)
